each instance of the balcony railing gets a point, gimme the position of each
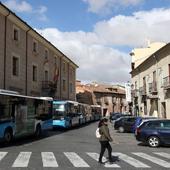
(153, 87)
(142, 91)
(48, 85)
(166, 82)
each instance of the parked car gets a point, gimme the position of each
(115, 116)
(154, 132)
(125, 124)
(140, 119)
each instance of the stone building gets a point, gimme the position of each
(151, 83)
(110, 97)
(30, 64)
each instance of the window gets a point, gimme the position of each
(35, 46)
(64, 85)
(6, 107)
(166, 125)
(16, 33)
(34, 75)
(153, 124)
(46, 54)
(46, 75)
(15, 66)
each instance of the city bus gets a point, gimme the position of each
(65, 114)
(23, 115)
(96, 112)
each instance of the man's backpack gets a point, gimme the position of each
(98, 135)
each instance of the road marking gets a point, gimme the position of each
(75, 159)
(153, 159)
(163, 154)
(49, 159)
(95, 156)
(2, 155)
(22, 159)
(132, 161)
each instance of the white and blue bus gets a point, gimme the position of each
(22, 115)
(96, 112)
(65, 114)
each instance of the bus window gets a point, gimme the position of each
(4, 108)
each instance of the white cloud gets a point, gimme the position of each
(95, 52)
(96, 62)
(105, 6)
(23, 6)
(134, 30)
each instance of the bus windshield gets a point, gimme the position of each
(58, 110)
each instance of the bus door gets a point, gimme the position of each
(44, 113)
(72, 111)
(31, 115)
(20, 116)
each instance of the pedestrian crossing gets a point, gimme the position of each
(88, 159)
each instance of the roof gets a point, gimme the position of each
(152, 55)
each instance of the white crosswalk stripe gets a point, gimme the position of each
(22, 159)
(153, 159)
(95, 156)
(132, 161)
(165, 155)
(76, 160)
(2, 155)
(48, 159)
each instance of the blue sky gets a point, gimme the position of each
(97, 34)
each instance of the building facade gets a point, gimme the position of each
(151, 84)
(30, 64)
(111, 98)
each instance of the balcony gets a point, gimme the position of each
(46, 85)
(142, 91)
(166, 82)
(134, 93)
(153, 87)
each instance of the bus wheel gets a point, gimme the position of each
(38, 131)
(8, 136)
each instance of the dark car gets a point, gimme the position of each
(125, 124)
(154, 132)
(115, 116)
(140, 119)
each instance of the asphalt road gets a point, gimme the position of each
(78, 148)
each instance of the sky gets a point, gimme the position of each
(97, 35)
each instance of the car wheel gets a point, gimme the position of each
(121, 129)
(8, 136)
(153, 141)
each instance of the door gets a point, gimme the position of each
(21, 117)
(163, 110)
(164, 132)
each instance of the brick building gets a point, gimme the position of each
(110, 97)
(30, 64)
